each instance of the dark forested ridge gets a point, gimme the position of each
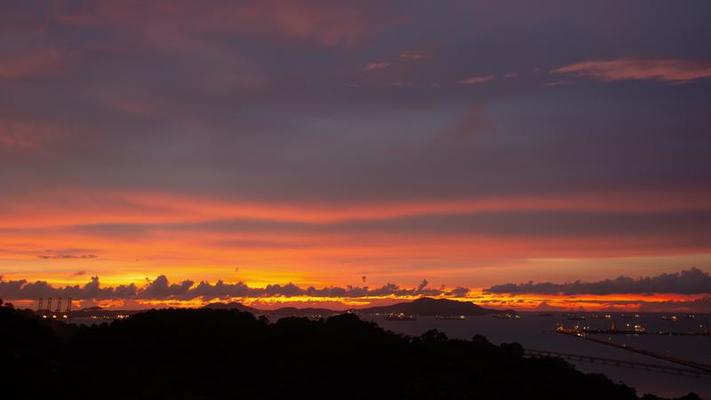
(230, 354)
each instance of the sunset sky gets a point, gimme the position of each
(436, 146)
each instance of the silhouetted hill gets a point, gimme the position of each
(233, 306)
(423, 307)
(430, 307)
(279, 312)
(229, 354)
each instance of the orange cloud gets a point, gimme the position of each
(668, 70)
(79, 206)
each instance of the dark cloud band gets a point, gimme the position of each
(692, 281)
(161, 289)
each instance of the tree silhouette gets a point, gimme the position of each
(229, 354)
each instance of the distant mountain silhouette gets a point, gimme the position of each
(430, 307)
(233, 306)
(280, 312)
(423, 307)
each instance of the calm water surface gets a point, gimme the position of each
(537, 332)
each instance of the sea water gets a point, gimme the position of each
(538, 333)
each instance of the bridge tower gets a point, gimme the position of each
(40, 304)
(49, 305)
(69, 306)
(59, 305)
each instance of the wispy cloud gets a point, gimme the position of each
(557, 83)
(475, 80)
(413, 55)
(377, 65)
(668, 70)
(474, 121)
(17, 141)
(67, 256)
(180, 25)
(30, 63)
(399, 84)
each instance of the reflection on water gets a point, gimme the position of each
(538, 332)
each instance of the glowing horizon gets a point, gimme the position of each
(684, 291)
(355, 144)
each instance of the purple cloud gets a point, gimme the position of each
(692, 281)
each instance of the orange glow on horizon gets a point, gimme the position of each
(131, 237)
(518, 302)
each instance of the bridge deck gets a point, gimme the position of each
(620, 363)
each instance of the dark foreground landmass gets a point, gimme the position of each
(230, 354)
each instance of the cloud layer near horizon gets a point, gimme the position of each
(161, 289)
(687, 282)
(692, 281)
